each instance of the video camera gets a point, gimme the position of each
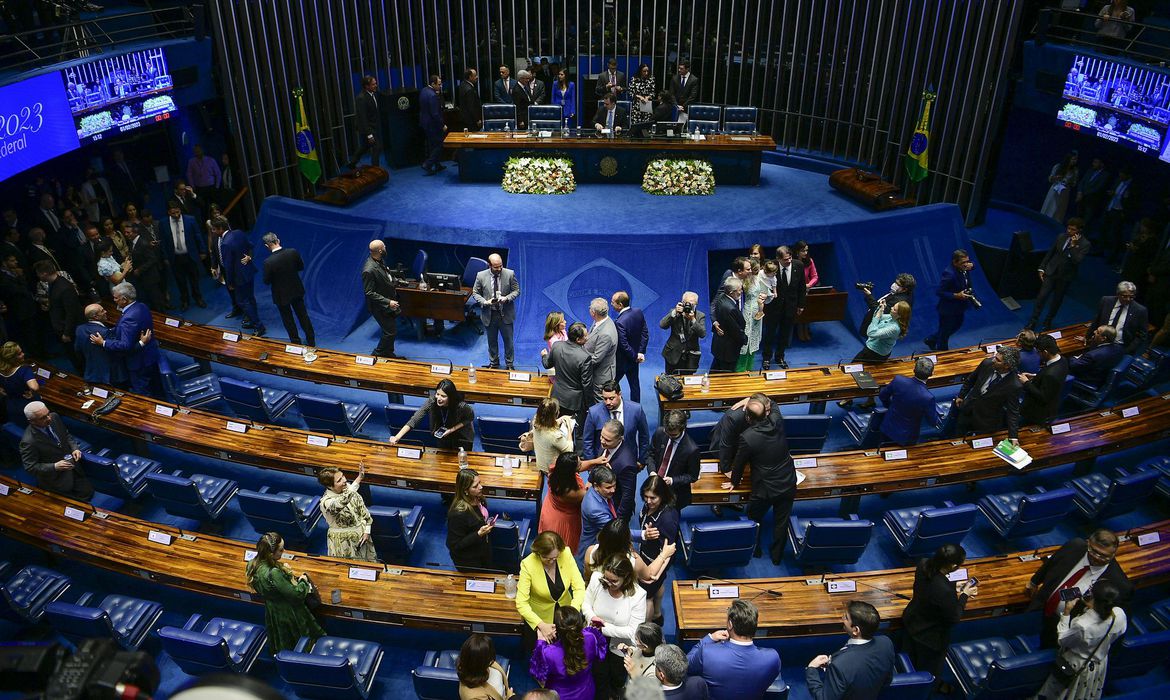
(97, 670)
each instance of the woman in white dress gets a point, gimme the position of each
(1061, 180)
(1087, 629)
(349, 519)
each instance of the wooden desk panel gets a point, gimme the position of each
(284, 449)
(941, 462)
(713, 142)
(824, 306)
(213, 565)
(830, 383)
(801, 609)
(433, 303)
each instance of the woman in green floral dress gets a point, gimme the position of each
(755, 294)
(349, 519)
(285, 614)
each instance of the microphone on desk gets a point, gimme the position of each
(887, 591)
(741, 584)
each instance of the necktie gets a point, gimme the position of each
(52, 219)
(991, 381)
(1054, 599)
(1116, 316)
(739, 302)
(665, 466)
(495, 286)
(784, 276)
(683, 82)
(609, 119)
(612, 511)
(52, 434)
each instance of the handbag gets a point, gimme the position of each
(669, 386)
(313, 599)
(1064, 673)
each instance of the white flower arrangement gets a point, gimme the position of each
(668, 176)
(95, 123)
(160, 103)
(537, 175)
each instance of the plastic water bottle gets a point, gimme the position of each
(507, 466)
(507, 130)
(510, 587)
(706, 386)
(565, 128)
(462, 458)
(471, 375)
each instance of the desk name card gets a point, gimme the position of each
(708, 467)
(840, 586)
(101, 393)
(1055, 335)
(44, 373)
(409, 453)
(164, 410)
(359, 574)
(982, 443)
(891, 455)
(75, 514)
(723, 592)
(317, 440)
(365, 360)
(804, 462)
(693, 380)
(932, 358)
(3, 489)
(1130, 412)
(1061, 428)
(775, 375)
(958, 575)
(479, 586)
(502, 462)
(519, 377)
(1148, 538)
(853, 369)
(991, 349)
(294, 349)
(250, 555)
(159, 538)
(237, 427)
(440, 369)
(172, 322)
(231, 337)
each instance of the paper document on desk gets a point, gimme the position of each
(1012, 454)
(800, 477)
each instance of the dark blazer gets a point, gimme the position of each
(368, 115)
(620, 118)
(42, 221)
(1061, 264)
(684, 464)
(1042, 393)
(933, 610)
(15, 294)
(685, 95)
(573, 388)
(998, 408)
(733, 671)
(727, 314)
(468, 549)
(951, 283)
(908, 402)
(684, 335)
(1057, 567)
(602, 85)
(633, 420)
(64, 306)
(693, 688)
(282, 273)
(39, 453)
(523, 100)
(378, 286)
(147, 265)
(633, 336)
(124, 338)
(195, 242)
(1133, 333)
(856, 672)
(725, 436)
(235, 246)
(501, 94)
(430, 116)
(788, 297)
(101, 367)
(470, 105)
(1094, 365)
(764, 446)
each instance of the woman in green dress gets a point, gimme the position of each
(285, 614)
(349, 519)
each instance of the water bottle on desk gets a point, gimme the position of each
(706, 385)
(471, 375)
(508, 466)
(507, 130)
(565, 128)
(462, 458)
(510, 587)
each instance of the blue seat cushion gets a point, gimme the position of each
(362, 655)
(127, 614)
(905, 519)
(275, 398)
(33, 587)
(212, 489)
(1005, 506)
(1091, 487)
(132, 467)
(241, 637)
(305, 504)
(973, 659)
(357, 413)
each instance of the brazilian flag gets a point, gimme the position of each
(917, 162)
(306, 145)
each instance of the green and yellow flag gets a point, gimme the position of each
(306, 145)
(917, 162)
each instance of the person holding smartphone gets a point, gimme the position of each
(615, 603)
(469, 524)
(937, 606)
(452, 418)
(347, 515)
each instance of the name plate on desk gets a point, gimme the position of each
(365, 360)
(317, 441)
(1148, 538)
(891, 455)
(164, 410)
(237, 427)
(3, 489)
(409, 453)
(44, 373)
(708, 467)
(840, 586)
(250, 555)
(775, 375)
(231, 337)
(804, 462)
(360, 574)
(991, 349)
(1061, 428)
(1055, 335)
(159, 538)
(478, 586)
(853, 369)
(294, 349)
(101, 393)
(1130, 412)
(440, 369)
(958, 575)
(982, 443)
(172, 322)
(476, 136)
(723, 592)
(741, 138)
(75, 514)
(693, 380)
(519, 377)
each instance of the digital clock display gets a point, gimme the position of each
(35, 123)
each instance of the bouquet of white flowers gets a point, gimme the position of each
(672, 176)
(539, 175)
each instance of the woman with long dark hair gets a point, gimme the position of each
(1086, 631)
(659, 525)
(936, 607)
(449, 413)
(617, 604)
(285, 614)
(642, 89)
(614, 541)
(561, 512)
(468, 524)
(481, 677)
(564, 93)
(566, 663)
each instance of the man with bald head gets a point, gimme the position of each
(495, 293)
(763, 445)
(100, 366)
(381, 297)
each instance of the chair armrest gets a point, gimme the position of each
(192, 622)
(1041, 489)
(948, 504)
(302, 646)
(188, 371)
(84, 599)
(903, 665)
(263, 489)
(855, 517)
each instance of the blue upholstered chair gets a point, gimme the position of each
(418, 268)
(700, 432)
(199, 496)
(1084, 396)
(473, 267)
(397, 416)
(739, 120)
(24, 596)
(435, 677)
(544, 117)
(188, 386)
(121, 618)
(1019, 514)
(1144, 373)
(718, 543)
(249, 400)
(865, 428)
(806, 435)
(1138, 653)
(499, 117)
(509, 540)
(293, 515)
(220, 646)
(920, 531)
(704, 118)
(829, 540)
(499, 434)
(12, 434)
(990, 669)
(908, 683)
(124, 476)
(1098, 497)
(1162, 466)
(778, 690)
(335, 668)
(330, 415)
(395, 531)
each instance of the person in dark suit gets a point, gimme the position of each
(732, 330)
(781, 313)
(763, 445)
(430, 118)
(613, 407)
(526, 91)
(936, 607)
(1057, 271)
(610, 81)
(146, 266)
(38, 248)
(184, 249)
(724, 438)
(50, 453)
(633, 336)
(100, 367)
(467, 97)
(282, 272)
(502, 90)
(908, 402)
(20, 309)
(620, 452)
(368, 107)
(684, 86)
(381, 298)
(495, 291)
(1094, 365)
(670, 668)
(64, 306)
(1130, 319)
(610, 116)
(132, 340)
(125, 180)
(1077, 564)
(729, 661)
(954, 298)
(232, 263)
(686, 326)
(90, 255)
(674, 456)
(862, 668)
(1042, 390)
(48, 217)
(1091, 192)
(185, 195)
(1119, 202)
(989, 400)
(573, 388)
(468, 530)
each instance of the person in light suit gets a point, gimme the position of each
(573, 388)
(674, 456)
(862, 668)
(1094, 365)
(50, 453)
(133, 340)
(687, 326)
(184, 251)
(495, 291)
(597, 508)
(628, 413)
(908, 402)
(729, 660)
(1130, 319)
(602, 345)
(633, 336)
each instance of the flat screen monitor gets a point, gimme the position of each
(669, 128)
(116, 94)
(1126, 104)
(35, 124)
(442, 281)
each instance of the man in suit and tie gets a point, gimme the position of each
(89, 257)
(502, 90)
(184, 250)
(633, 336)
(763, 445)
(612, 407)
(470, 105)
(381, 298)
(610, 116)
(670, 668)
(232, 263)
(525, 93)
(368, 107)
(1118, 203)
(731, 333)
(619, 451)
(610, 82)
(133, 341)
(573, 388)
(64, 305)
(1091, 192)
(989, 400)
(1057, 271)
(686, 325)
(47, 217)
(146, 270)
(1130, 319)
(282, 272)
(1042, 390)
(50, 453)
(674, 456)
(729, 660)
(780, 314)
(862, 668)
(954, 298)
(495, 291)
(597, 508)
(101, 367)
(125, 180)
(430, 118)
(908, 402)
(684, 87)
(1077, 564)
(185, 195)
(1104, 353)
(602, 345)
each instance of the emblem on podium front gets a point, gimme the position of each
(609, 166)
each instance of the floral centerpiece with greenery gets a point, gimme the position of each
(679, 176)
(539, 175)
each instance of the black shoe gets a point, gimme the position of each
(766, 366)
(782, 363)
(490, 366)
(776, 561)
(509, 366)
(233, 313)
(259, 332)
(247, 324)
(427, 172)
(846, 404)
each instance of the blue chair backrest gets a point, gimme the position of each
(835, 540)
(323, 413)
(320, 673)
(545, 113)
(710, 113)
(499, 112)
(909, 686)
(499, 434)
(942, 522)
(1017, 676)
(433, 683)
(419, 267)
(176, 489)
(389, 531)
(873, 429)
(1039, 512)
(701, 433)
(505, 540)
(244, 397)
(806, 434)
(1135, 654)
(79, 621)
(1128, 491)
(499, 124)
(272, 511)
(101, 469)
(473, 267)
(739, 119)
(702, 126)
(725, 543)
(195, 652)
(397, 415)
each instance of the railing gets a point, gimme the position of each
(1144, 42)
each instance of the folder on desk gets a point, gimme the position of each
(864, 380)
(1012, 454)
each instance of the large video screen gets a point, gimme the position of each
(1128, 105)
(118, 94)
(35, 124)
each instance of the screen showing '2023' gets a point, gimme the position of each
(35, 123)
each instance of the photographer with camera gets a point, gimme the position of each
(954, 297)
(902, 289)
(687, 325)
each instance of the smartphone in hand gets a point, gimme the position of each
(1070, 594)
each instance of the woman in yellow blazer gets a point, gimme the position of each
(549, 578)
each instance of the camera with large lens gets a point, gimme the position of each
(974, 302)
(97, 670)
(688, 307)
(864, 286)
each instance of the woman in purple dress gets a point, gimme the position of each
(565, 665)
